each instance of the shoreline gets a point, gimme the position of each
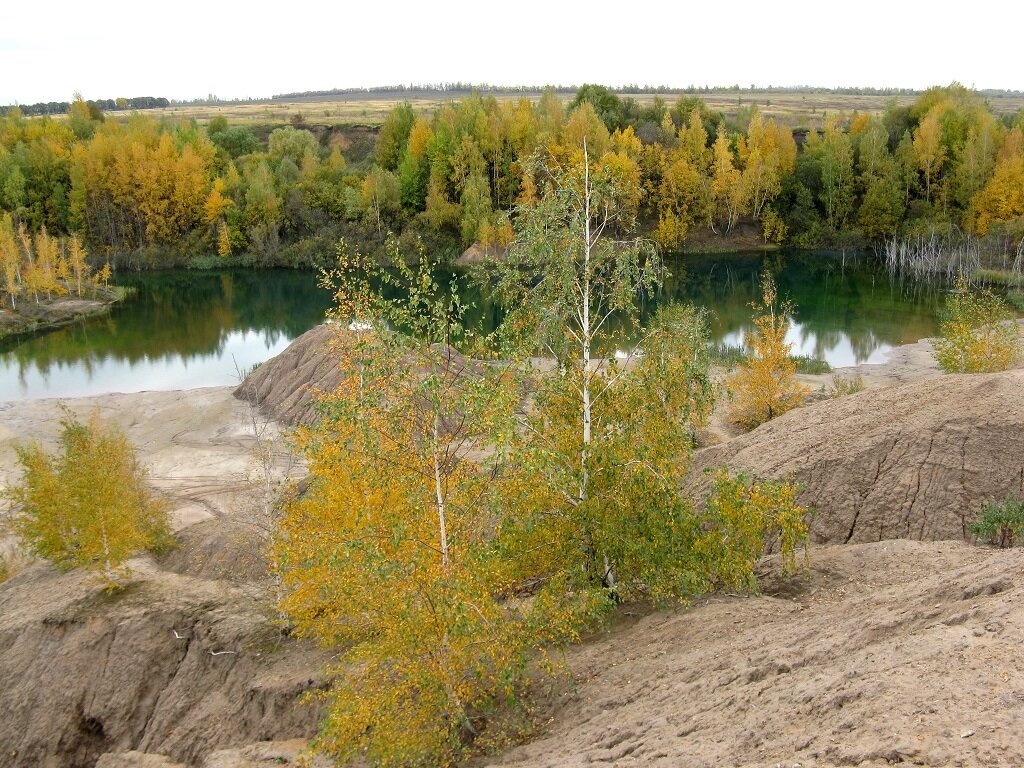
(31, 318)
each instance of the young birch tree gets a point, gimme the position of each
(388, 556)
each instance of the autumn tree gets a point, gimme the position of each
(978, 332)
(726, 187)
(387, 557)
(87, 506)
(763, 387)
(931, 152)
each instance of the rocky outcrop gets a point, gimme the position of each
(173, 665)
(912, 461)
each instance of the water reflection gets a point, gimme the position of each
(183, 329)
(178, 330)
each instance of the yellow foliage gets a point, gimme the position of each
(216, 203)
(387, 557)
(978, 333)
(1002, 198)
(223, 240)
(88, 506)
(764, 387)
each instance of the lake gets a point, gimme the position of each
(194, 329)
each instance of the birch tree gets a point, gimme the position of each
(387, 555)
(87, 506)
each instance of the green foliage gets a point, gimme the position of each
(977, 333)
(745, 520)
(810, 365)
(1001, 523)
(843, 385)
(388, 556)
(87, 506)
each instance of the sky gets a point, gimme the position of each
(191, 48)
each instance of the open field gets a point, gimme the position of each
(791, 107)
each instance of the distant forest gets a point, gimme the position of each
(103, 105)
(154, 192)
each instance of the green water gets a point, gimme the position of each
(189, 329)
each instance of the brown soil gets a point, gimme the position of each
(912, 461)
(888, 652)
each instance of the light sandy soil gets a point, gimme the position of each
(198, 444)
(890, 652)
(893, 651)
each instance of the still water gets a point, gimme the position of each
(194, 329)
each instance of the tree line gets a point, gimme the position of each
(106, 105)
(458, 174)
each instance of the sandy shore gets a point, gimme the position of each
(198, 444)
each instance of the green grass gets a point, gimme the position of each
(731, 355)
(997, 277)
(1016, 300)
(810, 365)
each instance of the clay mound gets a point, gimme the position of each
(912, 461)
(174, 666)
(218, 549)
(284, 386)
(891, 652)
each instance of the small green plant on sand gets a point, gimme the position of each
(846, 385)
(1001, 523)
(977, 334)
(88, 505)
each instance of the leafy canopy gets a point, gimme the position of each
(977, 334)
(87, 506)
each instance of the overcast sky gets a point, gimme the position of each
(191, 48)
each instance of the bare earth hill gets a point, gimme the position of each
(284, 386)
(911, 461)
(885, 650)
(177, 665)
(889, 652)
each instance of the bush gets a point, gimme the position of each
(977, 334)
(88, 505)
(842, 386)
(763, 387)
(1001, 523)
(1016, 300)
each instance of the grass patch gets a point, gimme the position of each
(810, 365)
(998, 277)
(1016, 300)
(727, 355)
(214, 262)
(842, 385)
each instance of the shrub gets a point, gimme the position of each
(977, 334)
(1001, 523)
(842, 386)
(87, 506)
(744, 521)
(763, 387)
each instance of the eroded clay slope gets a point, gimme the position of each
(910, 461)
(890, 652)
(285, 385)
(177, 666)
